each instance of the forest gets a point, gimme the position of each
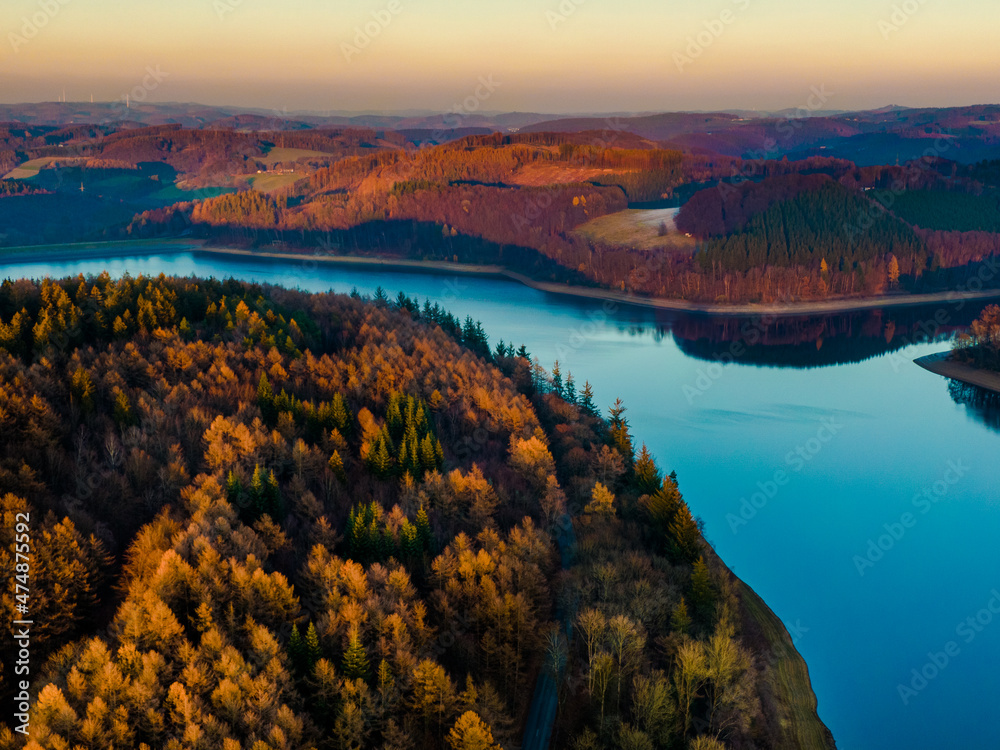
(762, 229)
(265, 519)
(980, 346)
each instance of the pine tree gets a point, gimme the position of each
(272, 497)
(587, 400)
(664, 504)
(684, 536)
(265, 400)
(428, 455)
(312, 651)
(297, 652)
(340, 415)
(82, 390)
(619, 432)
(702, 591)
(424, 534)
(557, 382)
(680, 620)
(257, 491)
(409, 544)
(123, 409)
(234, 489)
(336, 464)
(570, 389)
(355, 665)
(647, 476)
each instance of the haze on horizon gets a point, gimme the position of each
(545, 55)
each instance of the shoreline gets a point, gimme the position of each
(102, 249)
(941, 364)
(125, 248)
(817, 307)
(788, 677)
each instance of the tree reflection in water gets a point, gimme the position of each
(981, 404)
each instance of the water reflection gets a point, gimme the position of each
(981, 404)
(817, 341)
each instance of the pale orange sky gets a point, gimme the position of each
(547, 55)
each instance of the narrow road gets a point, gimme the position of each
(545, 704)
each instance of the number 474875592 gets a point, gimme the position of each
(22, 562)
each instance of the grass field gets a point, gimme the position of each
(31, 168)
(637, 229)
(173, 194)
(269, 183)
(276, 155)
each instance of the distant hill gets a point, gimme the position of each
(881, 136)
(255, 119)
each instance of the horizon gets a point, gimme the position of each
(560, 57)
(414, 112)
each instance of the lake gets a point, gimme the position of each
(842, 482)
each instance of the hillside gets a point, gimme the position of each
(265, 519)
(553, 206)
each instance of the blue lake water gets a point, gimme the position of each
(840, 436)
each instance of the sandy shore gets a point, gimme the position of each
(816, 307)
(941, 364)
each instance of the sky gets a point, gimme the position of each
(552, 56)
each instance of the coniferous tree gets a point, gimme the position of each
(684, 535)
(557, 381)
(680, 620)
(297, 652)
(265, 400)
(587, 400)
(647, 476)
(702, 591)
(424, 534)
(312, 651)
(620, 435)
(336, 464)
(570, 395)
(355, 665)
